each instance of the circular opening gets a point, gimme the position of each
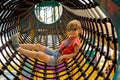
(48, 12)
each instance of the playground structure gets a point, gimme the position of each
(97, 57)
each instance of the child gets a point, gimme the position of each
(68, 48)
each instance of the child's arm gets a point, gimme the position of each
(67, 56)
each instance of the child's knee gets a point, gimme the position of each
(38, 45)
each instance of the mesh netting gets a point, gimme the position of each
(97, 57)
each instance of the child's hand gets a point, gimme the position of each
(60, 59)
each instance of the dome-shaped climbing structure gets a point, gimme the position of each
(97, 57)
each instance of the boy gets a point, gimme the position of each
(68, 48)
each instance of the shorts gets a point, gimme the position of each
(54, 55)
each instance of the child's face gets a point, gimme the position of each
(73, 32)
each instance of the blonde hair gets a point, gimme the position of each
(74, 24)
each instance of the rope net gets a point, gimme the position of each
(97, 57)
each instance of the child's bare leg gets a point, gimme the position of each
(37, 47)
(36, 55)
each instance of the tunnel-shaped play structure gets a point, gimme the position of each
(97, 57)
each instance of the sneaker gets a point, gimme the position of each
(15, 42)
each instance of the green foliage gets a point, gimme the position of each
(117, 2)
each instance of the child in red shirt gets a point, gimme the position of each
(68, 48)
(69, 45)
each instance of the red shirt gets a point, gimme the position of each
(70, 43)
